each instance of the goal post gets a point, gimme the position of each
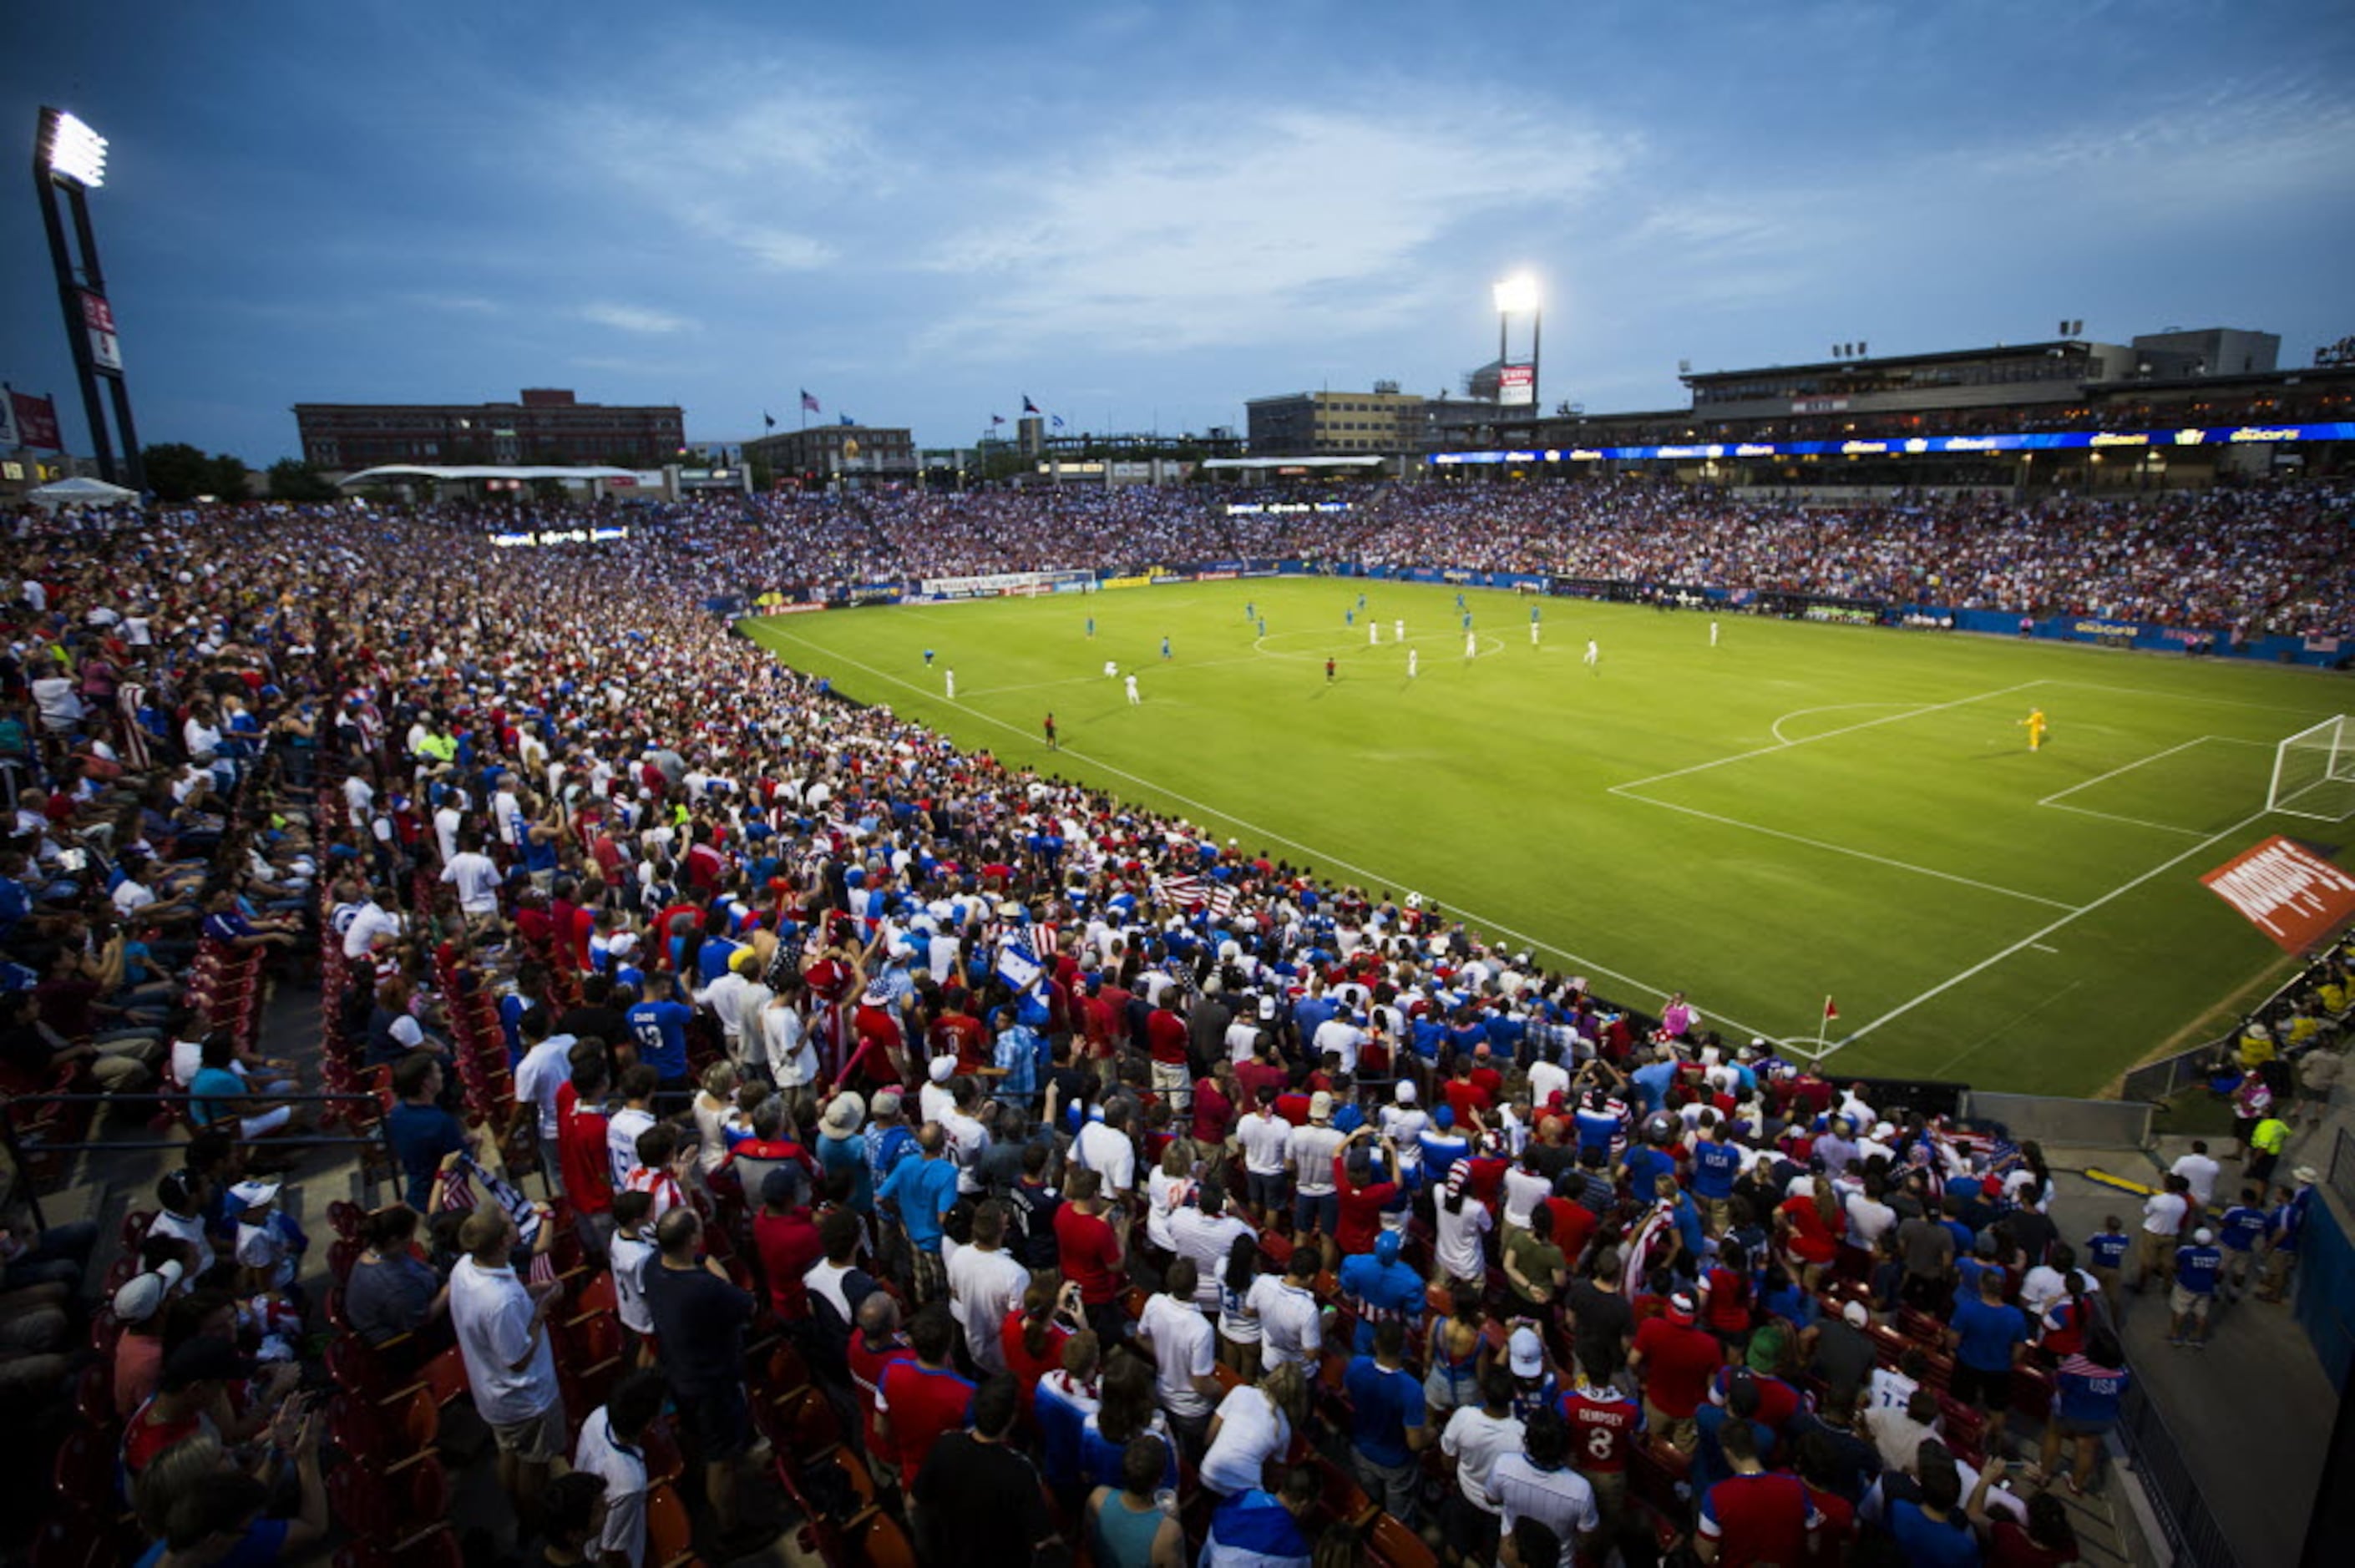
(2314, 772)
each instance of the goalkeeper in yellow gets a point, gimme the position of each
(2036, 726)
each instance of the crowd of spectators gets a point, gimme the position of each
(778, 1097)
(2233, 561)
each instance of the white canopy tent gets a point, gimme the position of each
(81, 493)
(394, 472)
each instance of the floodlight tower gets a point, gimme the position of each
(69, 160)
(1518, 296)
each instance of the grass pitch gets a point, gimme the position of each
(1800, 811)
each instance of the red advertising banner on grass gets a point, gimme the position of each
(2287, 891)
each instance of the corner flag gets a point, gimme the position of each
(1832, 1010)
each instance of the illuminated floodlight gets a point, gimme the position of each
(72, 151)
(1516, 295)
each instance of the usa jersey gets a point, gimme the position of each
(1603, 1425)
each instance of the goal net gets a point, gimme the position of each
(2314, 772)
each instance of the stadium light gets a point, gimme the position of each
(1516, 296)
(71, 150)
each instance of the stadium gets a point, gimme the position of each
(1761, 982)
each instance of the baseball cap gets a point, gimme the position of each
(1320, 1106)
(1526, 1353)
(143, 1295)
(255, 1194)
(1680, 1308)
(744, 961)
(1856, 1314)
(1405, 1093)
(887, 1100)
(941, 1068)
(2203, 1235)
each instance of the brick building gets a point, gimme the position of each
(550, 425)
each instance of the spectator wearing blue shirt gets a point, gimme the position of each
(1382, 1289)
(1933, 1532)
(1016, 1056)
(2198, 1268)
(1716, 1162)
(921, 1192)
(423, 1136)
(1986, 1337)
(2087, 1393)
(1654, 1079)
(1386, 1430)
(2106, 1253)
(659, 1028)
(2240, 1230)
(2286, 1233)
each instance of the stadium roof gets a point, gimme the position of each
(476, 471)
(1293, 462)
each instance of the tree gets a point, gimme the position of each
(177, 472)
(292, 479)
(226, 478)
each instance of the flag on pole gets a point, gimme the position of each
(1832, 1010)
(848, 420)
(1028, 405)
(998, 418)
(768, 420)
(1056, 420)
(810, 403)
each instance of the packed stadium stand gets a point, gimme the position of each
(546, 1087)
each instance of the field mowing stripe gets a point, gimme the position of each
(2036, 938)
(1810, 740)
(1521, 938)
(1843, 849)
(2006, 1027)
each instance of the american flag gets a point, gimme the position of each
(1222, 900)
(1186, 892)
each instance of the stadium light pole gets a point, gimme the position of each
(1519, 295)
(69, 160)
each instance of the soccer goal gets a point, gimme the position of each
(2314, 772)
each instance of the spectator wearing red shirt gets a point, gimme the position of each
(876, 1345)
(1465, 1096)
(1093, 1252)
(1752, 1517)
(1214, 1106)
(580, 1150)
(1032, 1342)
(787, 1240)
(1806, 1227)
(1575, 1225)
(1114, 998)
(921, 1401)
(1484, 1076)
(958, 1030)
(1166, 1041)
(1677, 1360)
(1362, 1197)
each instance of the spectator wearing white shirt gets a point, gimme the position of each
(985, 1284)
(1103, 1148)
(546, 1067)
(1475, 1437)
(1184, 1350)
(1267, 1139)
(502, 1330)
(1252, 1424)
(2199, 1171)
(476, 878)
(612, 1448)
(1291, 1324)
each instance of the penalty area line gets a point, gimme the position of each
(2035, 938)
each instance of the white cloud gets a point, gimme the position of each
(1234, 223)
(635, 318)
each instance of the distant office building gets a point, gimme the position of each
(824, 454)
(1308, 423)
(2210, 351)
(549, 426)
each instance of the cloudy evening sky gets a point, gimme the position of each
(1143, 214)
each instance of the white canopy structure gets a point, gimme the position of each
(395, 471)
(81, 493)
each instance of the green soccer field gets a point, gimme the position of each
(1800, 811)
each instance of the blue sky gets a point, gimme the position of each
(1143, 214)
